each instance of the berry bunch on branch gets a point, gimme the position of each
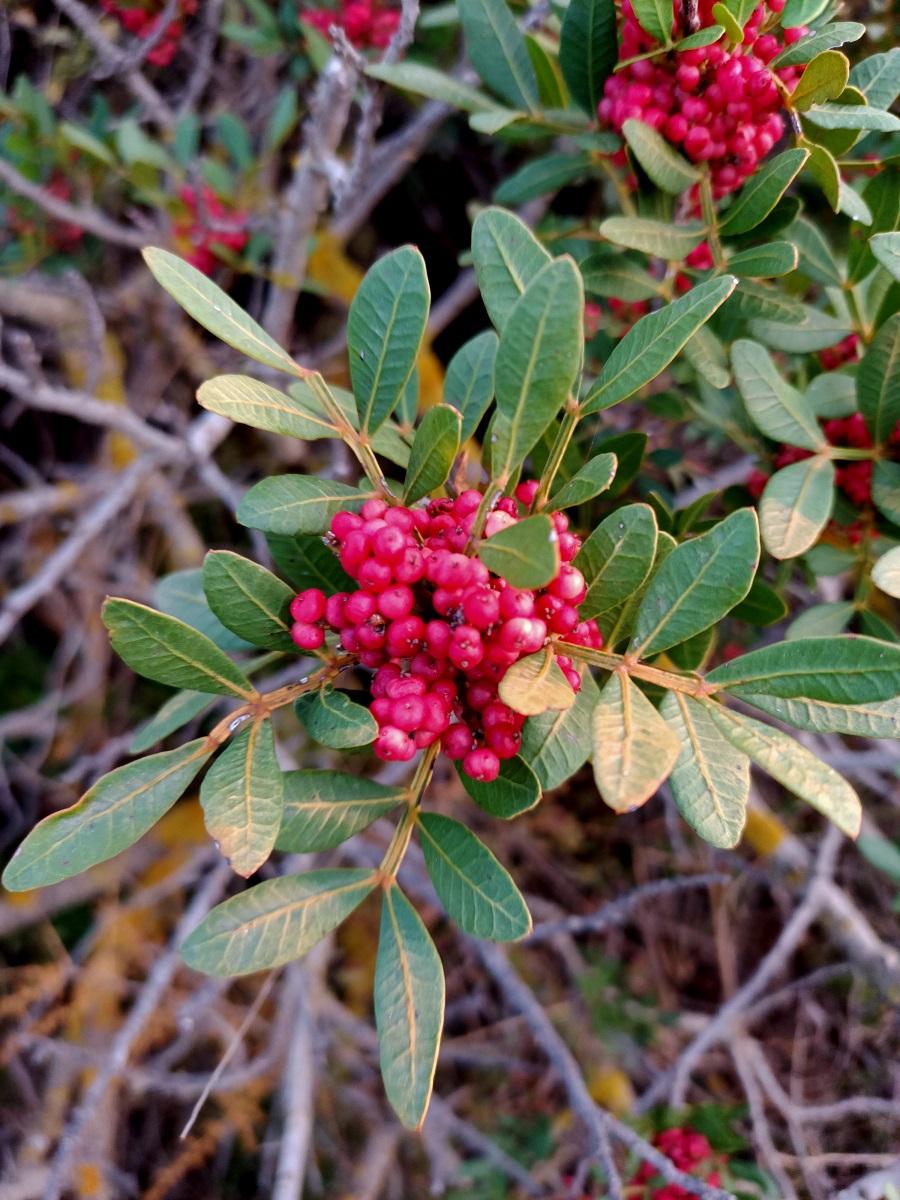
(522, 626)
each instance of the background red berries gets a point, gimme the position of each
(365, 22)
(690, 1151)
(717, 104)
(208, 224)
(142, 20)
(438, 629)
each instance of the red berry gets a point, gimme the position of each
(308, 605)
(307, 636)
(482, 765)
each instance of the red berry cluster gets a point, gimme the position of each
(438, 628)
(207, 225)
(365, 22)
(719, 104)
(853, 478)
(142, 20)
(689, 1151)
(844, 352)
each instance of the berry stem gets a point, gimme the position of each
(708, 209)
(399, 843)
(564, 435)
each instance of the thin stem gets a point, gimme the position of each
(864, 330)
(708, 209)
(557, 452)
(399, 844)
(363, 451)
(624, 196)
(622, 662)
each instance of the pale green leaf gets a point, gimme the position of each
(795, 767)
(711, 779)
(886, 248)
(536, 684)
(776, 409)
(634, 749)
(592, 479)
(173, 715)
(880, 719)
(250, 402)
(796, 506)
(658, 238)
(556, 744)
(667, 168)
(243, 798)
(297, 503)
(886, 572)
(525, 554)
(506, 256)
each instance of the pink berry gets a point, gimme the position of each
(307, 636)
(482, 765)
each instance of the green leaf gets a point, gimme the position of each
(525, 554)
(215, 311)
(708, 357)
(886, 248)
(250, 402)
(667, 168)
(617, 558)
(515, 790)
(433, 451)
(880, 719)
(816, 331)
(538, 360)
(536, 684)
(878, 381)
(497, 51)
(173, 715)
(822, 620)
(802, 12)
(477, 892)
(762, 192)
(878, 78)
(165, 649)
(853, 116)
(836, 34)
(650, 345)
(832, 394)
(436, 85)
(752, 299)
(110, 817)
(305, 561)
(297, 503)
(611, 274)
(541, 176)
(732, 27)
(776, 409)
(658, 238)
(839, 670)
(181, 595)
(587, 50)
(324, 808)
(711, 779)
(335, 720)
(469, 382)
(556, 744)
(816, 257)
(551, 89)
(409, 1007)
(886, 489)
(634, 749)
(703, 37)
(793, 766)
(276, 921)
(796, 506)
(765, 262)
(506, 256)
(248, 599)
(592, 479)
(886, 572)
(243, 798)
(823, 79)
(619, 621)
(385, 328)
(700, 581)
(655, 18)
